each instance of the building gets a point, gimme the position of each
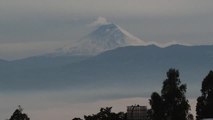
(136, 112)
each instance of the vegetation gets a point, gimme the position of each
(18, 115)
(105, 114)
(204, 106)
(76, 119)
(172, 103)
(156, 103)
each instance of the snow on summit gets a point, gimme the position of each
(105, 37)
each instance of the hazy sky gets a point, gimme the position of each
(50, 106)
(56, 21)
(33, 27)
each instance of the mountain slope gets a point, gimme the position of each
(139, 67)
(105, 37)
(45, 61)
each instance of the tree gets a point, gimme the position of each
(204, 106)
(156, 103)
(106, 114)
(173, 96)
(190, 117)
(76, 119)
(18, 115)
(172, 104)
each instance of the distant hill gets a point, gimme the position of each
(3, 61)
(140, 67)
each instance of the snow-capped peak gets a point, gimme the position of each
(105, 37)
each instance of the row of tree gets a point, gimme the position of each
(105, 114)
(171, 104)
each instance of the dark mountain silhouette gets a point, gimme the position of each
(142, 67)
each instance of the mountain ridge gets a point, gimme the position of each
(143, 67)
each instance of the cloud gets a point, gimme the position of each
(99, 21)
(166, 44)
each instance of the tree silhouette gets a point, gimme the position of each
(76, 119)
(190, 117)
(156, 103)
(172, 104)
(18, 115)
(173, 95)
(106, 114)
(204, 106)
